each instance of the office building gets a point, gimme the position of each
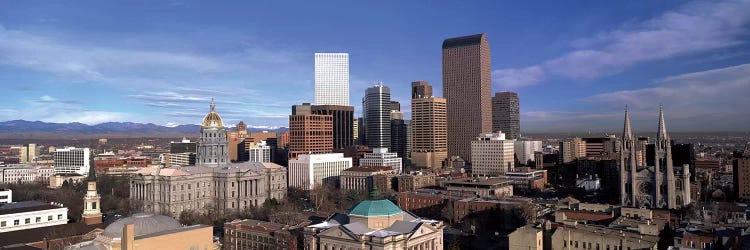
(6, 196)
(525, 150)
(375, 225)
(150, 231)
(24, 215)
(355, 152)
(601, 148)
(355, 131)
(467, 88)
(71, 160)
(572, 149)
(492, 154)
(429, 127)
(183, 146)
(308, 132)
(311, 170)
(506, 115)
(343, 123)
(400, 138)
(255, 234)
(28, 153)
(258, 152)
(213, 149)
(376, 108)
(381, 157)
(363, 178)
(421, 89)
(235, 138)
(332, 79)
(741, 175)
(26, 173)
(482, 187)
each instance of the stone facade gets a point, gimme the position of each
(213, 145)
(232, 187)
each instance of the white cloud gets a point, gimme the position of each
(695, 27)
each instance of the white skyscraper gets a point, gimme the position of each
(332, 79)
(309, 170)
(71, 160)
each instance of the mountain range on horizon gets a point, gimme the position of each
(120, 128)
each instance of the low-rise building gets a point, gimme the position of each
(375, 225)
(24, 215)
(381, 157)
(483, 187)
(579, 236)
(26, 173)
(411, 182)
(363, 178)
(255, 234)
(526, 238)
(525, 182)
(309, 170)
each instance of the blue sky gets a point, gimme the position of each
(575, 64)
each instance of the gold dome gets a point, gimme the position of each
(212, 119)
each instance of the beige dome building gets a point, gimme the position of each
(150, 231)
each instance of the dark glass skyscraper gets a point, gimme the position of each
(343, 119)
(376, 108)
(505, 114)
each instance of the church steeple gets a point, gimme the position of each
(662, 133)
(627, 133)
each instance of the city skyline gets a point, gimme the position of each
(67, 63)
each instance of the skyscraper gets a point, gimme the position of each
(376, 108)
(332, 79)
(505, 114)
(467, 88)
(308, 132)
(343, 119)
(429, 134)
(421, 89)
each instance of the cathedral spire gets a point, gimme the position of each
(662, 134)
(627, 133)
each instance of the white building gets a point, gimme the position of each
(31, 214)
(525, 150)
(71, 160)
(309, 170)
(492, 155)
(332, 79)
(381, 157)
(259, 152)
(6, 196)
(25, 173)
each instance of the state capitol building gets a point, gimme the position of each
(214, 182)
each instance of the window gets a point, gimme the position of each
(38, 219)
(27, 221)
(2, 223)
(59, 216)
(93, 205)
(16, 222)
(49, 218)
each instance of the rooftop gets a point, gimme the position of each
(25, 206)
(369, 169)
(462, 41)
(368, 208)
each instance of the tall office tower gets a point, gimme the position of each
(71, 160)
(28, 152)
(235, 137)
(492, 154)
(376, 108)
(332, 79)
(505, 114)
(572, 149)
(421, 89)
(308, 132)
(212, 146)
(525, 150)
(400, 138)
(601, 148)
(382, 158)
(429, 131)
(467, 87)
(343, 119)
(310, 170)
(182, 153)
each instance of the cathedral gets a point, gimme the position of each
(658, 186)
